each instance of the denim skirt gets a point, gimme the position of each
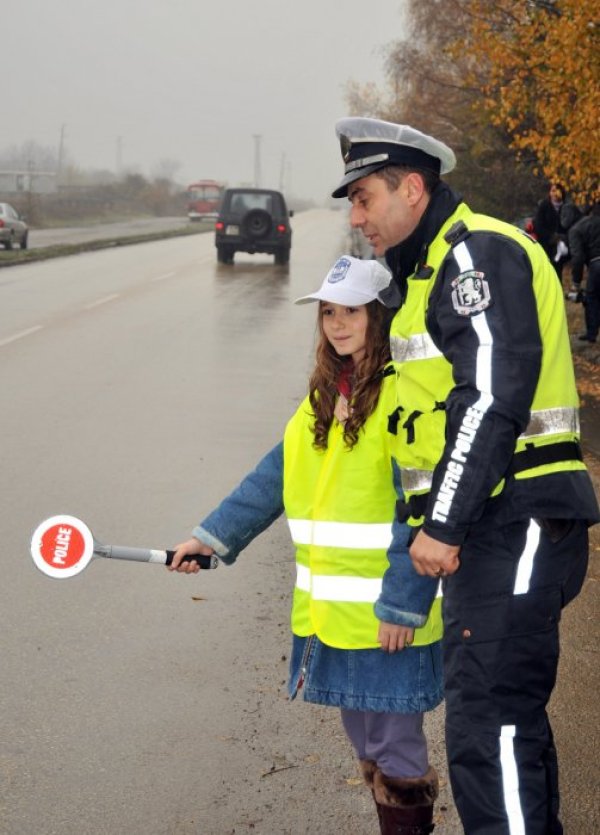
(409, 681)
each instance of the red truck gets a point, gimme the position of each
(203, 199)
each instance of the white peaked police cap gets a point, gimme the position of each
(351, 282)
(370, 144)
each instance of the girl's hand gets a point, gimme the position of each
(189, 548)
(393, 637)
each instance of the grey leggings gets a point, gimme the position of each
(395, 741)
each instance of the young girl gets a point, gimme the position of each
(366, 635)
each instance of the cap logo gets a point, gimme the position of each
(345, 145)
(339, 270)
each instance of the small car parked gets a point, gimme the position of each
(13, 229)
(253, 220)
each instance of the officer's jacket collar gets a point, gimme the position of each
(404, 258)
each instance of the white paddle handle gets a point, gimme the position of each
(123, 552)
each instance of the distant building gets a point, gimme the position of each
(24, 182)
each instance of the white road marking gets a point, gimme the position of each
(20, 335)
(104, 300)
(91, 306)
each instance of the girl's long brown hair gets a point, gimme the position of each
(366, 379)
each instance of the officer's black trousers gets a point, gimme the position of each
(501, 615)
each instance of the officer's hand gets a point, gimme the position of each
(432, 557)
(393, 637)
(189, 548)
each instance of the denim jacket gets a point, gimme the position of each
(409, 681)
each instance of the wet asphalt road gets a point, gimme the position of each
(139, 385)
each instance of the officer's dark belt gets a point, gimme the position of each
(537, 456)
(529, 458)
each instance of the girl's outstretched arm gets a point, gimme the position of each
(248, 510)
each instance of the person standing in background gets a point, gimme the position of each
(584, 242)
(549, 229)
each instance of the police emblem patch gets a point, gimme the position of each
(339, 270)
(471, 293)
(345, 145)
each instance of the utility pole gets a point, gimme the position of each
(31, 208)
(257, 174)
(282, 173)
(61, 153)
(119, 160)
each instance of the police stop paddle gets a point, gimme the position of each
(63, 546)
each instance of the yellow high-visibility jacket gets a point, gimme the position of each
(340, 504)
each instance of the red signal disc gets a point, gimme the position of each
(62, 546)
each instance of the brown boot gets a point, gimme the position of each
(405, 804)
(368, 769)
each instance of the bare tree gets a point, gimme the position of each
(166, 169)
(29, 156)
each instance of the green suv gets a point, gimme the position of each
(253, 220)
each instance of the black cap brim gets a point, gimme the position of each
(357, 174)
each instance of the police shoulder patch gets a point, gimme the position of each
(470, 293)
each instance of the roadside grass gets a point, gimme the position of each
(93, 220)
(27, 256)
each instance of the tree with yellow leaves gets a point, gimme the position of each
(427, 87)
(512, 85)
(542, 63)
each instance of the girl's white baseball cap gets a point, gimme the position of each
(351, 282)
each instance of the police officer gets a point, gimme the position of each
(488, 444)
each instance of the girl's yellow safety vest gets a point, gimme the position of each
(340, 504)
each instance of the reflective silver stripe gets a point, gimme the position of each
(353, 589)
(420, 346)
(525, 566)
(360, 163)
(483, 359)
(349, 589)
(454, 477)
(302, 577)
(510, 781)
(479, 322)
(462, 257)
(334, 587)
(341, 534)
(414, 480)
(483, 366)
(551, 422)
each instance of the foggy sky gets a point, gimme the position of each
(192, 81)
